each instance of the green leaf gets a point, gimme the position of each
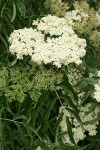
(14, 12)
(56, 128)
(42, 99)
(46, 115)
(97, 146)
(75, 114)
(11, 64)
(35, 132)
(4, 41)
(39, 104)
(22, 8)
(68, 88)
(50, 143)
(69, 101)
(91, 108)
(86, 96)
(93, 121)
(85, 82)
(2, 10)
(70, 133)
(68, 147)
(22, 117)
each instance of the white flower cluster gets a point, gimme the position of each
(75, 15)
(98, 17)
(74, 75)
(23, 41)
(98, 73)
(96, 94)
(81, 95)
(52, 41)
(87, 117)
(78, 132)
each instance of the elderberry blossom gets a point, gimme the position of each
(76, 16)
(22, 42)
(52, 41)
(97, 91)
(86, 117)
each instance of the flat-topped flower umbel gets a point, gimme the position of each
(51, 40)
